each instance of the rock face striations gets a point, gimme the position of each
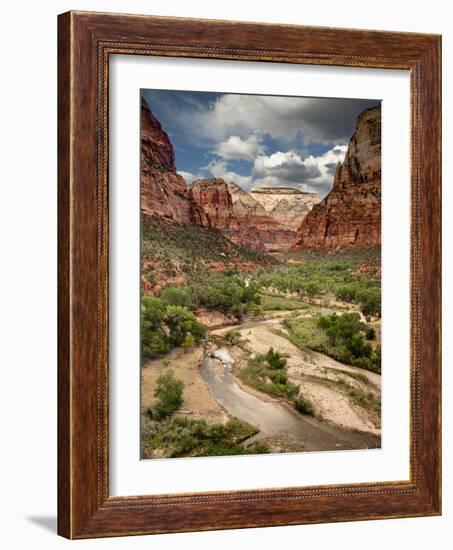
(246, 220)
(265, 219)
(286, 205)
(163, 192)
(350, 215)
(274, 232)
(215, 198)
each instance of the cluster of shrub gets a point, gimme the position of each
(267, 373)
(180, 436)
(343, 337)
(347, 340)
(165, 326)
(227, 292)
(168, 320)
(291, 279)
(175, 435)
(318, 277)
(184, 249)
(364, 292)
(169, 393)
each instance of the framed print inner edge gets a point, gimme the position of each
(130, 476)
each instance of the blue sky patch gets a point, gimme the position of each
(256, 140)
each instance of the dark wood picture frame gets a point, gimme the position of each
(85, 42)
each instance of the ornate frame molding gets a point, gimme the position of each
(86, 40)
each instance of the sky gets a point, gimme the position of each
(257, 140)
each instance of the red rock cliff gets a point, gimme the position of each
(267, 224)
(275, 234)
(214, 197)
(350, 215)
(163, 192)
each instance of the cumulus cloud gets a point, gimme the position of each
(209, 119)
(318, 120)
(188, 176)
(273, 141)
(219, 169)
(281, 169)
(286, 166)
(237, 148)
(331, 167)
(289, 169)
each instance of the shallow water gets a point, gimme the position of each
(273, 417)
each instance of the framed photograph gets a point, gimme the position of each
(249, 275)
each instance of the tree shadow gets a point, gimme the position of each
(49, 523)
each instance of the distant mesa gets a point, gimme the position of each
(279, 191)
(287, 205)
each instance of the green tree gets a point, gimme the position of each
(153, 343)
(346, 292)
(251, 293)
(181, 322)
(312, 289)
(177, 296)
(169, 392)
(370, 302)
(152, 312)
(341, 327)
(154, 340)
(358, 346)
(376, 359)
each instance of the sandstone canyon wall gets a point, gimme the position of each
(163, 192)
(245, 220)
(268, 210)
(286, 205)
(265, 219)
(215, 198)
(350, 215)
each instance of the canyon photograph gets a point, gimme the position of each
(260, 275)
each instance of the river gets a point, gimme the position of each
(274, 417)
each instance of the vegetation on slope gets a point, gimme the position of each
(180, 436)
(334, 275)
(166, 326)
(167, 434)
(267, 373)
(343, 337)
(270, 302)
(182, 251)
